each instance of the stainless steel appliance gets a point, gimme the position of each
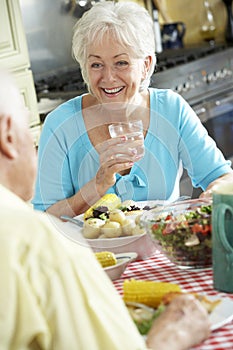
(204, 77)
(207, 84)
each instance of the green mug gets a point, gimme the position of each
(222, 237)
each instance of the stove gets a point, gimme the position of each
(61, 84)
(197, 74)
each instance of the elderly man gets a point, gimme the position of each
(50, 298)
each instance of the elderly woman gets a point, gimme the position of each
(78, 160)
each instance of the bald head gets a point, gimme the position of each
(10, 98)
(17, 154)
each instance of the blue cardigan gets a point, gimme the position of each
(176, 138)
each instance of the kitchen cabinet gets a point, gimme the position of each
(15, 58)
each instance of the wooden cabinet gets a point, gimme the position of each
(14, 57)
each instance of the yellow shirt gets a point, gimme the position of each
(54, 294)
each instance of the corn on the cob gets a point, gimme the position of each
(106, 258)
(110, 200)
(147, 292)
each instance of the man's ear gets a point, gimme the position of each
(8, 140)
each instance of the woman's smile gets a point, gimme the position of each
(112, 92)
(113, 73)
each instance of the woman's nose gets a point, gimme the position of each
(109, 74)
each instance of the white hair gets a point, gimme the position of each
(129, 23)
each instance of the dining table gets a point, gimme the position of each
(159, 268)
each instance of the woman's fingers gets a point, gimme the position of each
(121, 152)
(121, 145)
(116, 155)
(106, 175)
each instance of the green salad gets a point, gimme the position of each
(185, 238)
(144, 316)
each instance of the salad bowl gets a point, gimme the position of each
(182, 232)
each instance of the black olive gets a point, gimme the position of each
(133, 207)
(99, 211)
(147, 207)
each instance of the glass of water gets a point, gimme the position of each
(133, 131)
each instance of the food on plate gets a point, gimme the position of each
(98, 228)
(110, 200)
(208, 304)
(107, 218)
(117, 215)
(129, 207)
(176, 304)
(128, 226)
(108, 203)
(91, 227)
(106, 258)
(143, 315)
(147, 292)
(137, 230)
(184, 236)
(110, 229)
(101, 212)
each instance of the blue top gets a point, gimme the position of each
(175, 138)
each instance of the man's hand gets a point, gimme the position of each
(183, 324)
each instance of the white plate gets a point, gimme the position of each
(220, 316)
(222, 313)
(141, 244)
(123, 259)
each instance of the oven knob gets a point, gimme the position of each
(206, 78)
(224, 72)
(186, 86)
(210, 78)
(179, 88)
(218, 74)
(215, 77)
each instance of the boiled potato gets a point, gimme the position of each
(127, 227)
(111, 229)
(117, 215)
(137, 230)
(91, 227)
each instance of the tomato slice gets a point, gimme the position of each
(197, 228)
(206, 229)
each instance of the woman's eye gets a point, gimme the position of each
(122, 63)
(96, 65)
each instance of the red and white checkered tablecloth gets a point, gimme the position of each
(158, 268)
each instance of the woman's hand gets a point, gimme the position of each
(226, 178)
(116, 155)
